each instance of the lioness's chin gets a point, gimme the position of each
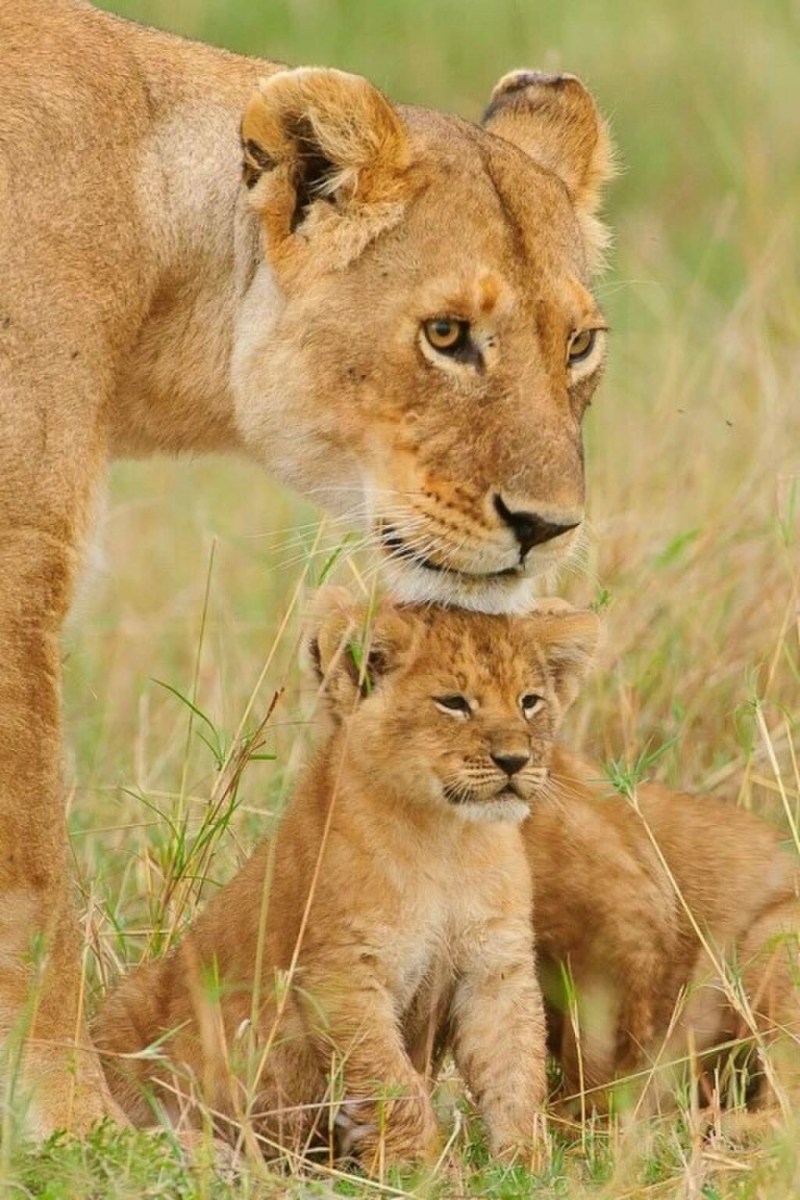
(502, 593)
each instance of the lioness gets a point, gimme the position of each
(387, 307)
(396, 887)
(679, 925)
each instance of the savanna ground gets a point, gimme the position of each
(694, 470)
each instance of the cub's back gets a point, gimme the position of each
(597, 871)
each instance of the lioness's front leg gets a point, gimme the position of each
(499, 1037)
(40, 948)
(384, 1096)
(51, 457)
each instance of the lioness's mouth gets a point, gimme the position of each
(400, 550)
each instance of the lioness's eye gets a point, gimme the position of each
(530, 703)
(454, 706)
(446, 334)
(581, 346)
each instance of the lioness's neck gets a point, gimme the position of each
(200, 239)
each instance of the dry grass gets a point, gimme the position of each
(694, 469)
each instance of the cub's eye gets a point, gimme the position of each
(581, 346)
(446, 335)
(454, 706)
(530, 703)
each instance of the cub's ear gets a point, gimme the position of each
(351, 647)
(567, 638)
(329, 141)
(554, 119)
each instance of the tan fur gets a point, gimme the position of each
(614, 911)
(531, 109)
(153, 302)
(399, 871)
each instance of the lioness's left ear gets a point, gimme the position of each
(329, 137)
(554, 119)
(568, 639)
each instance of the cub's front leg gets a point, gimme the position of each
(386, 1107)
(499, 1036)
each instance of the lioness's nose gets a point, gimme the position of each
(529, 528)
(511, 763)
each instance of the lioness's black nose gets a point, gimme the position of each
(529, 528)
(511, 763)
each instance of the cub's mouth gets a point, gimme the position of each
(459, 796)
(512, 791)
(506, 804)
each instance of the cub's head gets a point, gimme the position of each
(419, 341)
(450, 708)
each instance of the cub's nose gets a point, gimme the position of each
(529, 528)
(511, 763)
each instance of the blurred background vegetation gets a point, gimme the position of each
(693, 441)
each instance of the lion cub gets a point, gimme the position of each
(396, 887)
(679, 926)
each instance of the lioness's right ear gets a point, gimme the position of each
(554, 119)
(351, 648)
(324, 136)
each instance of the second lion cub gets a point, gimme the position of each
(396, 887)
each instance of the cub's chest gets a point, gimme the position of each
(442, 927)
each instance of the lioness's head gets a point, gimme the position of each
(419, 342)
(446, 707)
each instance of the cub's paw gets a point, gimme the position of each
(531, 1155)
(745, 1129)
(205, 1152)
(393, 1131)
(531, 1149)
(548, 605)
(352, 1126)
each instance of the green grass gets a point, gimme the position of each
(694, 472)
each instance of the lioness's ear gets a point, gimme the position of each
(325, 136)
(568, 639)
(554, 119)
(351, 648)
